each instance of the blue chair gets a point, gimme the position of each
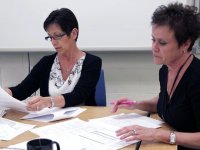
(100, 94)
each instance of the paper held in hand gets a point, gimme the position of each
(8, 101)
(44, 115)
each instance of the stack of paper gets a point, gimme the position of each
(122, 120)
(77, 134)
(47, 115)
(71, 135)
(97, 134)
(2, 111)
(10, 129)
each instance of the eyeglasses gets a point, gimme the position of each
(56, 37)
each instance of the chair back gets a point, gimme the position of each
(100, 94)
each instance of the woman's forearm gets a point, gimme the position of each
(148, 105)
(190, 140)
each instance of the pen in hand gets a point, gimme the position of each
(123, 103)
(127, 102)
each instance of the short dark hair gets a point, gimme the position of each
(65, 18)
(183, 20)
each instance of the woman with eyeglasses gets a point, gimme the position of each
(65, 78)
(175, 28)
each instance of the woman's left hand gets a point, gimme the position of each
(37, 103)
(136, 132)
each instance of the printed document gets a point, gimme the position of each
(74, 134)
(2, 111)
(122, 120)
(83, 135)
(8, 101)
(97, 134)
(11, 129)
(54, 114)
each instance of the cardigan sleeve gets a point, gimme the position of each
(32, 81)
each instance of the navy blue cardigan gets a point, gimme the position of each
(84, 91)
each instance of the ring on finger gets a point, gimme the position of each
(133, 132)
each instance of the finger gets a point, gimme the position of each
(119, 104)
(131, 138)
(122, 131)
(38, 108)
(114, 109)
(34, 100)
(124, 106)
(31, 108)
(113, 103)
(127, 135)
(118, 101)
(115, 106)
(34, 107)
(124, 99)
(28, 108)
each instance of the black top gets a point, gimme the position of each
(84, 91)
(182, 112)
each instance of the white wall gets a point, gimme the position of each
(104, 24)
(131, 74)
(13, 68)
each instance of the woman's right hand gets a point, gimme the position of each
(123, 103)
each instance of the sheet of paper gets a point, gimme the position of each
(64, 145)
(8, 101)
(10, 129)
(122, 120)
(83, 134)
(69, 143)
(3, 111)
(55, 114)
(97, 134)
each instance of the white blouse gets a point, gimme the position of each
(57, 85)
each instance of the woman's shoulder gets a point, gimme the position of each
(92, 61)
(50, 56)
(193, 70)
(196, 61)
(46, 60)
(92, 58)
(163, 69)
(195, 65)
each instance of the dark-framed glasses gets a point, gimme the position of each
(55, 37)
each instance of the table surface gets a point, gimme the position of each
(90, 113)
